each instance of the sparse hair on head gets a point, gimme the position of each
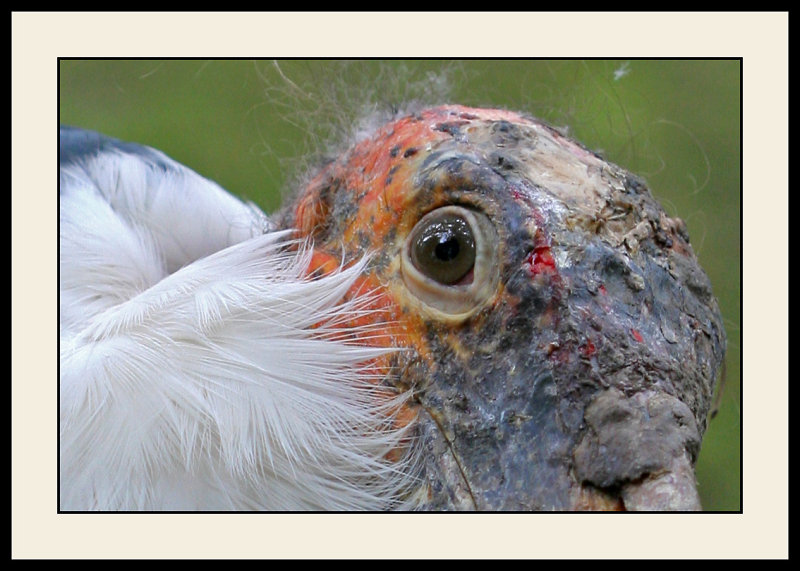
(336, 103)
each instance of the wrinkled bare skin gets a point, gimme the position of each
(584, 380)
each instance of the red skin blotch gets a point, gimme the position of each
(540, 261)
(588, 349)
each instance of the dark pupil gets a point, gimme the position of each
(444, 249)
(447, 250)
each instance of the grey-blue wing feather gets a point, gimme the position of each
(76, 146)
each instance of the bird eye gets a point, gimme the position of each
(443, 248)
(450, 261)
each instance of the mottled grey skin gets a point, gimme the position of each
(586, 382)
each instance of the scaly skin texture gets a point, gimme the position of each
(584, 379)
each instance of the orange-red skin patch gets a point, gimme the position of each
(375, 182)
(378, 173)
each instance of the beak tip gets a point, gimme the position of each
(638, 450)
(672, 490)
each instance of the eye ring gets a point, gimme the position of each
(449, 261)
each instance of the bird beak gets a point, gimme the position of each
(673, 489)
(639, 451)
(629, 455)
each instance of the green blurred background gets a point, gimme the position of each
(252, 124)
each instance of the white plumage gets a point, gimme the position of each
(200, 367)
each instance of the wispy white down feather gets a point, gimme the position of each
(199, 365)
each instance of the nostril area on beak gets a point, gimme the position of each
(637, 453)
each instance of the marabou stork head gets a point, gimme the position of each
(558, 337)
